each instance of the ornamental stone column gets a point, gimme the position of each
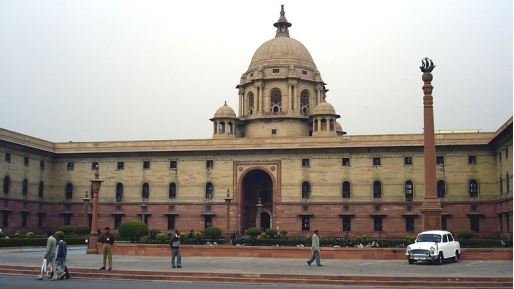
(431, 208)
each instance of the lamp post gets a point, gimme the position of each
(96, 183)
(228, 201)
(259, 209)
(86, 204)
(143, 211)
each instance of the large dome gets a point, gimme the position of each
(284, 50)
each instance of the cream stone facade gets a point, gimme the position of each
(284, 149)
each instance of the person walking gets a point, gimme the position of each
(175, 250)
(62, 252)
(107, 242)
(49, 259)
(315, 249)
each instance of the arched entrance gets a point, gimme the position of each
(256, 184)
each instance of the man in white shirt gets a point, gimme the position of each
(315, 249)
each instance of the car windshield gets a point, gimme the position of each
(429, 238)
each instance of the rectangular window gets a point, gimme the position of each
(444, 222)
(377, 224)
(273, 131)
(171, 222)
(276, 70)
(70, 166)
(67, 220)
(304, 72)
(346, 162)
(40, 220)
(120, 166)
(306, 224)
(472, 160)
(24, 220)
(7, 157)
(208, 221)
(439, 160)
(347, 224)
(42, 164)
(5, 219)
(305, 162)
(173, 164)
(26, 161)
(146, 165)
(376, 161)
(475, 224)
(209, 164)
(93, 165)
(407, 161)
(409, 224)
(117, 221)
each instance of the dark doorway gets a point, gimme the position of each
(256, 184)
(265, 221)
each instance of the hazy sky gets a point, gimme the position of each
(135, 70)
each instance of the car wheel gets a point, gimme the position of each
(411, 261)
(440, 259)
(456, 257)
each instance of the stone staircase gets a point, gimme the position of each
(238, 278)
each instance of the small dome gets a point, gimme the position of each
(339, 128)
(225, 112)
(324, 108)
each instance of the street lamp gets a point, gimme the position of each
(259, 209)
(86, 204)
(228, 200)
(143, 211)
(96, 183)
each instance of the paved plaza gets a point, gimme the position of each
(77, 258)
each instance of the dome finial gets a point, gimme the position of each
(225, 103)
(282, 24)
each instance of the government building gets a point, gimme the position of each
(283, 161)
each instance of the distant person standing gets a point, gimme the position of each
(51, 247)
(175, 250)
(107, 242)
(315, 249)
(62, 252)
(191, 234)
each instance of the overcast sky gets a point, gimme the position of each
(140, 70)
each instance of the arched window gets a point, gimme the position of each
(304, 102)
(229, 127)
(316, 124)
(332, 126)
(25, 187)
(145, 194)
(251, 103)
(346, 190)
(473, 189)
(377, 189)
(40, 191)
(119, 192)
(7, 182)
(441, 189)
(409, 190)
(69, 191)
(173, 191)
(323, 124)
(275, 100)
(222, 127)
(209, 191)
(306, 190)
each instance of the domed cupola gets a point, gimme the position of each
(324, 120)
(225, 123)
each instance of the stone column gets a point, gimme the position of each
(431, 208)
(290, 95)
(240, 103)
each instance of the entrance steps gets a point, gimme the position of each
(239, 278)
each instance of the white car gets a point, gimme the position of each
(433, 246)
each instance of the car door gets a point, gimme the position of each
(453, 245)
(445, 246)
